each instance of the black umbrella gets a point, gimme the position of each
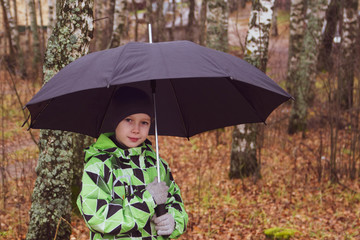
(197, 89)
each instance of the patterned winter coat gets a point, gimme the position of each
(113, 199)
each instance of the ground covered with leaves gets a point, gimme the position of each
(294, 191)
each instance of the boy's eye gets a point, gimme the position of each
(128, 119)
(145, 123)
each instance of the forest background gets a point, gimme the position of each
(306, 178)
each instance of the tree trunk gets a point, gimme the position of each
(12, 34)
(98, 25)
(202, 29)
(191, 22)
(332, 19)
(274, 25)
(160, 22)
(297, 30)
(173, 20)
(119, 23)
(42, 33)
(136, 30)
(20, 54)
(244, 161)
(51, 199)
(79, 143)
(305, 74)
(347, 54)
(217, 16)
(51, 17)
(35, 38)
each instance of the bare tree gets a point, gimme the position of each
(202, 29)
(244, 160)
(347, 54)
(217, 20)
(191, 21)
(306, 69)
(330, 31)
(297, 30)
(119, 24)
(51, 199)
(12, 35)
(35, 38)
(160, 23)
(51, 17)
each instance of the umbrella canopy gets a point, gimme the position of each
(197, 89)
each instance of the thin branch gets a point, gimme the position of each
(21, 104)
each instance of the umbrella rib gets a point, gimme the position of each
(252, 107)
(178, 105)
(37, 116)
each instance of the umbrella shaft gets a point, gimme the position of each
(156, 141)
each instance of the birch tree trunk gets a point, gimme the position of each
(306, 68)
(347, 53)
(191, 21)
(160, 22)
(42, 33)
(120, 14)
(274, 25)
(217, 16)
(12, 34)
(244, 161)
(35, 37)
(51, 199)
(136, 30)
(51, 17)
(98, 25)
(202, 29)
(297, 30)
(20, 54)
(332, 19)
(173, 20)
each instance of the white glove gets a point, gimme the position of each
(158, 191)
(164, 224)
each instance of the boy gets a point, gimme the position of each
(119, 186)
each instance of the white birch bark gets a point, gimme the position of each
(305, 73)
(257, 39)
(217, 21)
(297, 30)
(119, 24)
(347, 46)
(244, 161)
(51, 199)
(51, 17)
(12, 31)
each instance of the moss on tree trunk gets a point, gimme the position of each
(51, 199)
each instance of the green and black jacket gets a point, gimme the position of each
(113, 199)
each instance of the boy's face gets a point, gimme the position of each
(133, 130)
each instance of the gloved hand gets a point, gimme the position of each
(158, 191)
(164, 224)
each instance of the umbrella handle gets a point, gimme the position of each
(161, 210)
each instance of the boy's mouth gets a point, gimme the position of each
(133, 139)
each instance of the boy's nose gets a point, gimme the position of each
(135, 128)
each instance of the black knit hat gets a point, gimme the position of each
(125, 102)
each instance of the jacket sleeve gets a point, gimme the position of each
(109, 214)
(175, 205)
